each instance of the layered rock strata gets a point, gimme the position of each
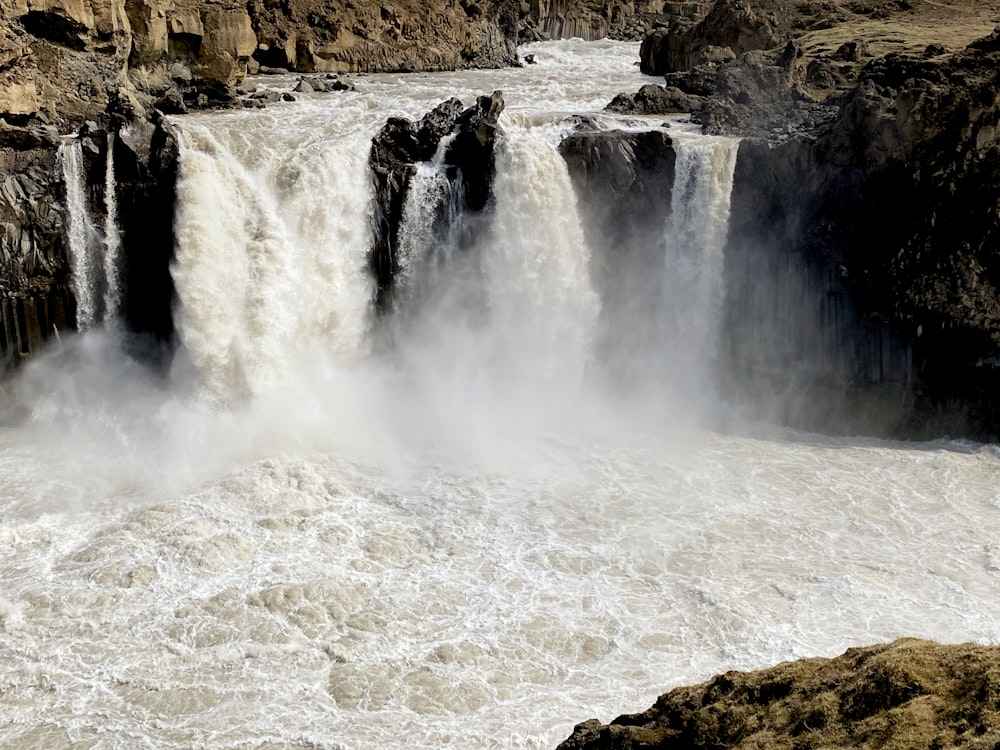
(908, 694)
(628, 20)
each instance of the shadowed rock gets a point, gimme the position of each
(401, 144)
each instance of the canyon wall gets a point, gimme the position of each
(866, 206)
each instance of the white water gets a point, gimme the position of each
(695, 235)
(94, 259)
(421, 546)
(82, 238)
(428, 231)
(112, 239)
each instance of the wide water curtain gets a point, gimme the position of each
(538, 263)
(270, 265)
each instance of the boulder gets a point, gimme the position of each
(737, 25)
(655, 100)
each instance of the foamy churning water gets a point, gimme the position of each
(432, 530)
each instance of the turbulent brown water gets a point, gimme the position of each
(449, 527)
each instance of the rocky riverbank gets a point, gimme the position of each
(908, 694)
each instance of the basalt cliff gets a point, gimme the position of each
(865, 224)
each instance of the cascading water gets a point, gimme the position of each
(456, 542)
(94, 259)
(538, 262)
(82, 237)
(272, 242)
(112, 239)
(690, 307)
(428, 232)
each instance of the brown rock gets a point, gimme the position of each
(906, 695)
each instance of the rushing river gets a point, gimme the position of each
(448, 527)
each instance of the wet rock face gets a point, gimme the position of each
(624, 181)
(907, 694)
(468, 136)
(34, 286)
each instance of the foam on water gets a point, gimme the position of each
(313, 601)
(424, 547)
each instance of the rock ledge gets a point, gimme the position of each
(907, 694)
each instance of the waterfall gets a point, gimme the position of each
(112, 239)
(430, 225)
(94, 260)
(695, 235)
(538, 266)
(271, 259)
(82, 238)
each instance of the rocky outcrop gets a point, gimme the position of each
(628, 20)
(736, 25)
(468, 137)
(860, 225)
(623, 181)
(655, 100)
(561, 19)
(888, 206)
(908, 694)
(34, 285)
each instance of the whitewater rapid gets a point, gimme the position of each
(437, 528)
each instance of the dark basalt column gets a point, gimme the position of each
(402, 144)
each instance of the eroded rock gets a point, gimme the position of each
(468, 160)
(908, 694)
